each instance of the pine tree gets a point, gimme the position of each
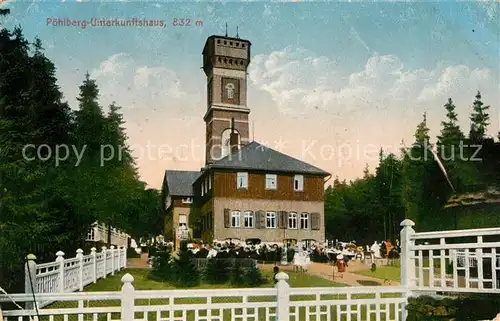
(217, 271)
(451, 135)
(253, 276)
(237, 276)
(186, 272)
(479, 119)
(90, 121)
(366, 172)
(162, 267)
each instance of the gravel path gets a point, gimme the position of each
(326, 271)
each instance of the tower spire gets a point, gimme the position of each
(226, 29)
(237, 33)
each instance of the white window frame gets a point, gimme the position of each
(304, 221)
(242, 180)
(298, 183)
(187, 200)
(271, 218)
(209, 183)
(249, 217)
(270, 178)
(183, 219)
(292, 217)
(235, 218)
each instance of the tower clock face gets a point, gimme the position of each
(230, 91)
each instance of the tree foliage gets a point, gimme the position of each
(48, 201)
(413, 184)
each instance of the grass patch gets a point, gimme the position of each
(391, 273)
(142, 282)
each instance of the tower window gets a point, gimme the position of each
(230, 91)
(218, 41)
(225, 60)
(231, 43)
(243, 45)
(237, 44)
(218, 59)
(241, 62)
(230, 61)
(225, 42)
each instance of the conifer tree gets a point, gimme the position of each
(237, 276)
(186, 272)
(479, 119)
(451, 135)
(253, 276)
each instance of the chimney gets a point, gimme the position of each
(233, 139)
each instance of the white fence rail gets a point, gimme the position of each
(279, 303)
(69, 275)
(99, 233)
(451, 261)
(448, 261)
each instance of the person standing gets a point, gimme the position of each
(341, 265)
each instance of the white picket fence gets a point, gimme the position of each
(99, 233)
(365, 303)
(451, 261)
(69, 275)
(424, 261)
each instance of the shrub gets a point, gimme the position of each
(163, 268)
(216, 271)
(253, 276)
(132, 254)
(185, 270)
(466, 308)
(237, 273)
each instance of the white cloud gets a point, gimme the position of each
(299, 81)
(122, 79)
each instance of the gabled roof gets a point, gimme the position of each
(255, 156)
(180, 182)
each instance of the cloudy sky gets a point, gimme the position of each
(330, 83)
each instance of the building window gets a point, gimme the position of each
(187, 200)
(271, 181)
(298, 183)
(209, 183)
(183, 220)
(271, 220)
(304, 221)
(235, 219)
(248, 219)
(292, 220)
(242, 180)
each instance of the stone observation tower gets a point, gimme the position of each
(225, 62)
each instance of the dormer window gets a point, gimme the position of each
(298, 183)
(187, 200)
(271, 181)
(242, 180)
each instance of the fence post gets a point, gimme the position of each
(113, 267)
(79, 255)
(60, 259)
(128, 300)
(283, 297)
(124, 262)
(407, 264)
(30, 278)
(94, 264)
(105, 256)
